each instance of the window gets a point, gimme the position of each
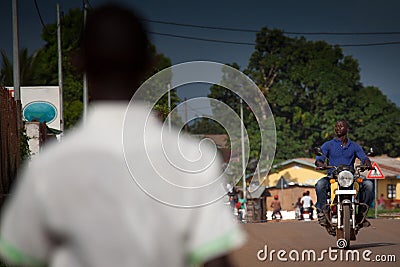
(391, 191)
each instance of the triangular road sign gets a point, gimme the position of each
(376, 173)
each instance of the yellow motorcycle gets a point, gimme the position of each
(343, 205)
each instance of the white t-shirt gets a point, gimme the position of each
(306, 200)
(77, 204)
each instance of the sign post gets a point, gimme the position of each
(376, 174)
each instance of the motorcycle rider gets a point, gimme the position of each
(341, 150)
(306, 203)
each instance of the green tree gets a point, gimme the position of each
(28, 68)
(161, 62)
(311, 84)
(206, 126)
(376, 121)
(47, 74)
(220, 113)
(6, 72)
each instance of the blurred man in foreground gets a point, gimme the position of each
(77, 204)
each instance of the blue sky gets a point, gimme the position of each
(380, 65)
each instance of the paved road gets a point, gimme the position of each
(379, 242)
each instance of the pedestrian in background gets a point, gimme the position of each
(381, 202)
(297, 209)
(276, 205)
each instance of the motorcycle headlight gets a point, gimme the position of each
(345, 178)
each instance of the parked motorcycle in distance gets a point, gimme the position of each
(342, 204)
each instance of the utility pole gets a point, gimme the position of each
(186, 114)
(60, 77)
(243, 152)
(376, 198)
(169, 107)
(16, 70)
(85, 83)
(282, 186)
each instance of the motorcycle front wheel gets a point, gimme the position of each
(346, 225)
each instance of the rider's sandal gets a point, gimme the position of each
(364, 224)
(331, 230)
(322, 219)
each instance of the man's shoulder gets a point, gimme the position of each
(329, 142)
(353, 143)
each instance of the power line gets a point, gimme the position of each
(253, 44)
(41, 20)
(200, 39)
(200, 26)
(238, 30)
(342, 33)
(371, 44)
(256, 31)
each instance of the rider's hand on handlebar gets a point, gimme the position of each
(321, 165)
(366, 168)
(368, 164)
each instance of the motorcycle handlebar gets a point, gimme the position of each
(364, 168)
(360, 167)
(325, 168)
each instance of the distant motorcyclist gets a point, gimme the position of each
(306, 203)
(341, 150)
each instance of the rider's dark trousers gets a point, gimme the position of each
(323, 186)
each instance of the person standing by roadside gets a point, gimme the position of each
(297, 209)
(381, 202)
(276, 205)
(243, 202)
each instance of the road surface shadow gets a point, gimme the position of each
(372, 245)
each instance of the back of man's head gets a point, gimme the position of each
(114, 46)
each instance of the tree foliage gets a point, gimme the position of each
(41, 68)
(308, 84)
(28, 68)
(311, 84)
(252, 136)
(205, 126)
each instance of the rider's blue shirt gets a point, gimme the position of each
(338, 154)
